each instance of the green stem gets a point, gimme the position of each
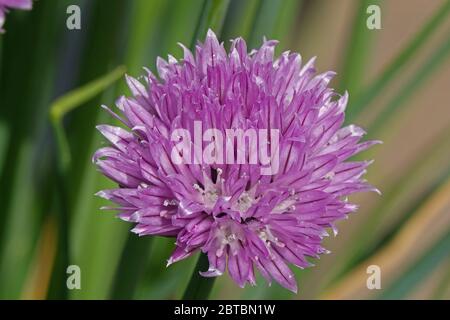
(286, 19)
(199, 287)
(69, 102)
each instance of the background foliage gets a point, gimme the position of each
(53, 81)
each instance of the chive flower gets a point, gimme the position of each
(240, 155)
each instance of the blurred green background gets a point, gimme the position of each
(399, 84)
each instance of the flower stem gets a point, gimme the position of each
(199, 287)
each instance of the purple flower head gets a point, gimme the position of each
(12, 4)
(184, 171)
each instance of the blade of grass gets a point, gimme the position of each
(240, 19)
(26, 88)
(285, 23)
(402, 59)
(143, 33)
(4, 138)
(4, 131)
(424, 72)
(199, 287)
(419, 177)
(1, 52)
(443, 287)
(160, 281)
(37, 284)
(103, 50)
(71, 101)
(147, 17)
(96, 240)
(58, 110)
(131, 268)
(358, 51)
(137, 250)
(427, 225)
(181, 25)
(429, 262)
(367, 238)
(265, 22)
(212, 17)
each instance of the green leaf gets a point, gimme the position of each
(212, 17)
(72, 100)
(78, 97)
(26, 88)
(357, 55)
(240, 19)
(147, 17)
(58, 110)
(199, 287)
(179, 27)
(286, 19)
(96, 240)
(443, 287)
(401, 60)
(265, 22)
(417, 181)
(103, 50)
(427, 226)
(417, 273)
(131, 268)
(412, 86)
